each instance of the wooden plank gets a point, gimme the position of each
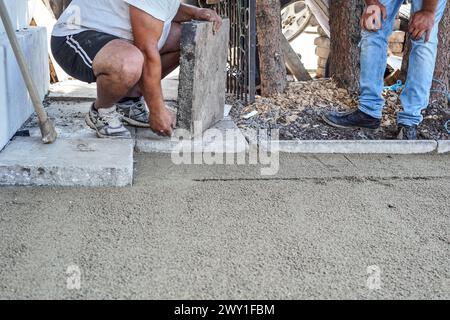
(293, 62)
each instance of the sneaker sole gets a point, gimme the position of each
(324, 118)
(135, 123)
(99, 134)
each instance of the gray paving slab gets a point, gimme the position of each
(202, 87)
(444, 146)
(223, 138)
(354, 146)
(73, 89)
(170, 89)
(69, 120)
(67, 162)
(15, 102)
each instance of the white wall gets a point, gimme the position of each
(19, 13)
(15, 103)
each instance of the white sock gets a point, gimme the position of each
(103, 111)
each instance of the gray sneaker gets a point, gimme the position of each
(107, 123)
(135, 113)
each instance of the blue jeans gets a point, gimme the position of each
(374, 46)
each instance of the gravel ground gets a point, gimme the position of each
(298, 114)
(225, 232)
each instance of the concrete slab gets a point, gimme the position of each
(15, 102)
(67, 162)
(73, 89)
(355, 147)
(19, 13)
(174, 75)
(202, 76)
(170, 89)
(444, 146)
(223, 138)
(68, 118)
(227, 110)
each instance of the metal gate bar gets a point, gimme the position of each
(241, 79)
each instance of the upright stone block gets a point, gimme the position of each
(15, 102)
(202, 88)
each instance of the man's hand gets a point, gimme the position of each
(373, 12)
(209, 15)
(422, 22)
(162, 121)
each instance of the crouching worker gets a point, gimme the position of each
(126, 47)
(415, 96)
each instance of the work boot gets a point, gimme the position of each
(353, 119)
(135, 112)
(407, 132)
(107, 123)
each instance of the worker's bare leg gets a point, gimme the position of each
(118, 68)
(170, 53)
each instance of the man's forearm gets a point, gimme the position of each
(186, 13)
(151, 81)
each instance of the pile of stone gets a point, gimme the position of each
(396, 47)
(322, 52)
(397, 43)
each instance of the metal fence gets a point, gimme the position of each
(242, 57)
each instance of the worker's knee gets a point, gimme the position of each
(121, 62)
(129, 67)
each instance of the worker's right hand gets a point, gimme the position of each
(374, 15)
(162, 121)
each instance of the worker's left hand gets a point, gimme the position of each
(422, 22)
(211, 16)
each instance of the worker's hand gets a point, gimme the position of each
(373, 13)
(211, 16)
(162, 121)
(422, 22)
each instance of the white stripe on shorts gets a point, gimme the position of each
(79, 50)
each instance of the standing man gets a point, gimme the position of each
(126, 47)
(426, 15)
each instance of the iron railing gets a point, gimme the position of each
(242, 57)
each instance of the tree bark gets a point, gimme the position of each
(345, 30)
(272, 63)
(442, 72)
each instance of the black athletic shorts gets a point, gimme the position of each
(75, 53)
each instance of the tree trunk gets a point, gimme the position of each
(442, 72)
(345, 30)
(272, 64)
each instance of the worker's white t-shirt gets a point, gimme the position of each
(113, 17)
